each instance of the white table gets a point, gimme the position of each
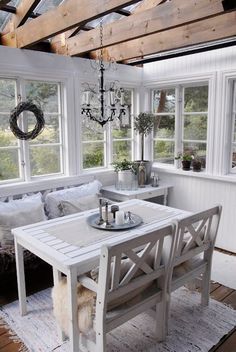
(53, 241)
(146, 193)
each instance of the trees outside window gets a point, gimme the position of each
(181, 123)
(42, 156)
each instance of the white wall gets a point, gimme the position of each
(72, 72)
(193, 191)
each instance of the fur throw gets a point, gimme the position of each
(85, 301)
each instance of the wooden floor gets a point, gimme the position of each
(218, 292)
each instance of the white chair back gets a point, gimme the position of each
(196, 233)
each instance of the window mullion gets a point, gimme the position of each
(178, 121)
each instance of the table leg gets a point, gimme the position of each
(165, 196)
(20, 270)
(73, 309)
(56, 278)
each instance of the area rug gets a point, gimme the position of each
(227, 276)
(192, 328)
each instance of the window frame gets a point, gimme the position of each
(23, 148)
(108, 139)
(188, 81)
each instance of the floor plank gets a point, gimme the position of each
(229, 345)
(221, 293)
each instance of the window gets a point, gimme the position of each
(42, 156)
(114, 141)
(164, 107)
(181, 123)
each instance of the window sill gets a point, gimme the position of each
(202, 174)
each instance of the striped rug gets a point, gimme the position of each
(192, 328)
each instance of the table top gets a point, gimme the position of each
(145, 189)
(70, 241)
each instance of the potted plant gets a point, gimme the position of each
(186, 159)
(125, 171)
(143, 124)
(196, 164)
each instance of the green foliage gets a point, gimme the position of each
(144, 123)
(186, 156)
(125, 165)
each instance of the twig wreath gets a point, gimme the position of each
(40, 122)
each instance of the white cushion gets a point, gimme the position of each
(20, 212)
(53, 199)
(73, 206)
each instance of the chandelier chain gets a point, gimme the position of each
(101, 40)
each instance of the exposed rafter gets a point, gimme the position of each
(219, 27)
(69, 14)
(160, 18)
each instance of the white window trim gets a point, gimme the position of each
(224, 128)
(67, 89)
(190, 80)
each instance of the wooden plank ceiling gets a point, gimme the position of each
(152, 27)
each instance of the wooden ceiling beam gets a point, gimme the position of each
(23, 11)
(160, 18)
(69, 14)
(147, 4)
(207, 30)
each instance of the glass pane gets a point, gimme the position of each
(43, 94)
(164, 100)
(195, 127)
(234, 135)
(196, 149)
(122, 150)
(121, 131)
(91, 130)
(7, 95)
(93, 155)
(45, 160)
(164, 126)
(7, 138)
(196, 99)
(50, 133)
(164, 152)
(9, 164)
(234, 158)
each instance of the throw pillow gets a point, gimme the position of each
(73, 206)
(53, 199)
(20, 212)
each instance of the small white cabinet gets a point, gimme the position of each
(145, 193)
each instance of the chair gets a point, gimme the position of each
(195, 240)
(129, 286)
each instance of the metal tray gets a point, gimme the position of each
(136, 220)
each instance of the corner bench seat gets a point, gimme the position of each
(47, 205)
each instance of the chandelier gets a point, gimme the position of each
(104, 103)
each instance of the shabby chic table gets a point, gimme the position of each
(72, 247)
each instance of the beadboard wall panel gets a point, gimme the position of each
(215, 60)
(195, 194)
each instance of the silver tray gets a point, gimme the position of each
(136, 220)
